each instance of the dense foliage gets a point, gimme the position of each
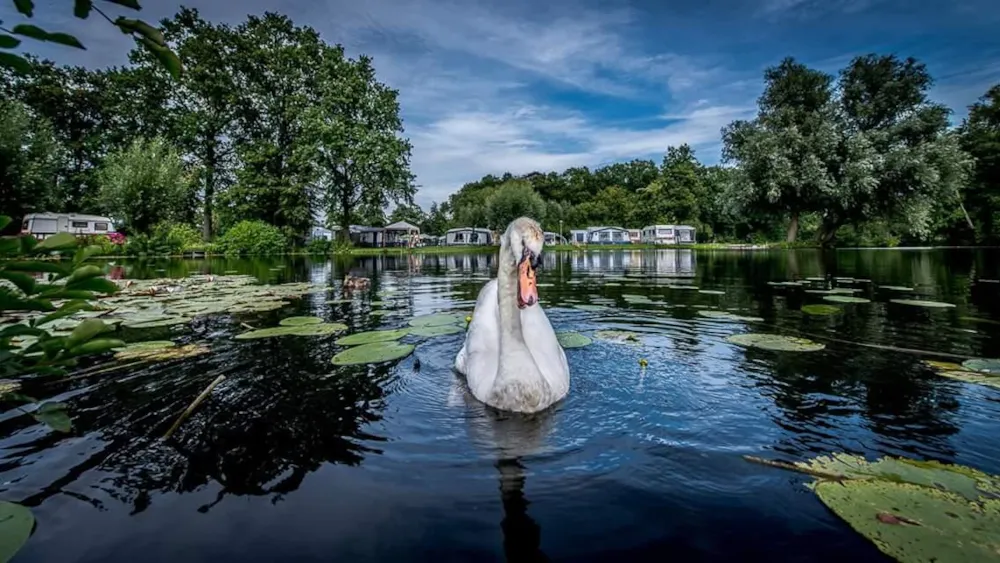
(266, 122)
(252, 237)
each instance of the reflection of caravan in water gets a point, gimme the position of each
(667, 263)
(43, 225)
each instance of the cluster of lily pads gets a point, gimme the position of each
(846, 295)
(378, 346)
(981, 371)
(911, 510)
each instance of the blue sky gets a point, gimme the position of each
(495, 86)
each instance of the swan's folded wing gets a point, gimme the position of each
(482, 343)
(545, 349)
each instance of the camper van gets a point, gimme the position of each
(42, 225)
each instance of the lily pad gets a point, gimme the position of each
(845, 299)
(16, 523)
(437, 319)
(775, 342)
(820, 310)
(373, 336)
(947, 366)
(727, 316)
(972, 377)
(983, 365)
(712, 291)
(300, 321)
(373, 353)
(320, 329)
(170, 321)
(916, 524)
(922, 303)
(436, 330)
(618, 336)
(573, 339)
(896, 288)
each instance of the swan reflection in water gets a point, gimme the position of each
(510, 437)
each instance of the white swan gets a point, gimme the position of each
(511, 358)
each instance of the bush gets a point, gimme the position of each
(178, 236)
(108, 246)
(252, 237)
(319, 246)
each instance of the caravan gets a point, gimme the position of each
(41, 225)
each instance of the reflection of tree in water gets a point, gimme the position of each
(274, 420)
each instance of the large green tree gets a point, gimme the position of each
(30, 160)
(358, 144)
(980, 136)
(511, 200)
(144, 185)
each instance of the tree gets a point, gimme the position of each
(144, 185)
(199, 111)
(784, 155)
(411, 213)
(980, 137)
(511, 200)
(30, 159)
(363, 159)
(436, 222)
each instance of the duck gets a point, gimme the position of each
(356, 282)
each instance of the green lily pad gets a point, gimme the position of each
(972, 377)
(815, 279)
(821, 291)
(300, 321)
(775, 342)
(54, 416)
(845, 299)
(727, 316)
(712, 291)
(373, 336)
(784, 284)
(435, 330)
(573, 339)
(911, 523)
(437, 319)
(16, 523)
(373, 353)
(618, 336)
(170, 321)
(820, 310)
(896, 288)
(922, 303)
(586, 307)
(983, 365)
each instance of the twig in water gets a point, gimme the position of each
(245, 325)
(792, 467)
(194, 404)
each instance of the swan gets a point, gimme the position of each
(511, 358)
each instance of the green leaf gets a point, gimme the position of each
(21, 330)
(14, 62)
(35, 32)
(19, 398)
(4, 221)
(9, 245)
(81, 8)
(67, 294)
(28, 244)
(36, 266)
(11, 302)
(16, 521)
(167, 58)
(8, 42)
(84, 273)
(58, 241)
(98, 346)
(86, 252)
(142, 28)
(23, 281)
(85, 331)
(54, 415)
(99, 285)
(134, 4)
(26, 7)
(66, 310)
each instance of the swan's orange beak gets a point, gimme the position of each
(527, 291)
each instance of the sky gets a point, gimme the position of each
(491, 86)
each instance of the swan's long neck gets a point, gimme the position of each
(516, 361)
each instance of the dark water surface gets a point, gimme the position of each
(293, 459)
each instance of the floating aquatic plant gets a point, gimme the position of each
(727, 316)
(983, 365)
(435, 330)
(573, 339)
(16, 523)
(914, 511)
(845, 299)
(373, 353)
(922, 303)
(775, 342)
(896, 288)
(373, 336)
(159, 350)
(300, 321)
(618, 336)
(437, 319)
(820, 310)
(712, 291)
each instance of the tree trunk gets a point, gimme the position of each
(828, 231)
(206, 226)
(345, 216)
(793, 227)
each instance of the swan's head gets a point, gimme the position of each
(524, 239)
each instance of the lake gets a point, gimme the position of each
(295, 459)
